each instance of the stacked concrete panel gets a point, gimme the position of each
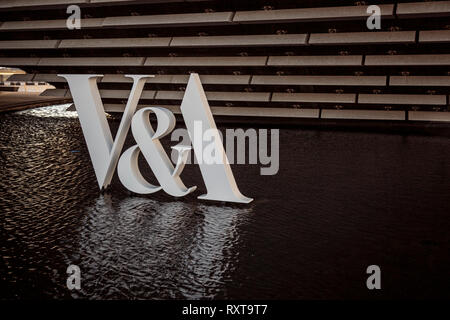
(275, 58)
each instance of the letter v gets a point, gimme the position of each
(103, 150)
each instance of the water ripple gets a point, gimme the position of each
(340, 202)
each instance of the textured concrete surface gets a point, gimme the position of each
(14, 101)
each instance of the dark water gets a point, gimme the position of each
(341, 201)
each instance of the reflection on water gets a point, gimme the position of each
(132, 247)
(58, 111)
(340, 202)
(144, 248)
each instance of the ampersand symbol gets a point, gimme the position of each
(148, 143)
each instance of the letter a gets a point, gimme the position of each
(218, 177)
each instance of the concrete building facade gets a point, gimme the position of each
(271, 59)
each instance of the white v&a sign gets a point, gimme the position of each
(105, 152)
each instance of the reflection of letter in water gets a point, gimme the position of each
(206, 260)
(143, 248)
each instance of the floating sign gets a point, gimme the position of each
(106, 155)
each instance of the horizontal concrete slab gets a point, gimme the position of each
(423, 9)
(362, 38)
(140, 1)
(265, 112)
(31, 3)
(320, 80)
(50, 4)
(92, 61)
(162, 79)
(215, 79)
(408, 99)
(105, 94)
(314, 97)
(118, 78)
(236, 111)
(261, 80)
(124, 94)
(193, 19)
(119, 108)
(434, 36)
(206, 61)
(21, 77)
(408, 60)
(218, 96)
(48, 24)
(55, 93)
(176, 95)
(309, 14)
(314, 61)
(428, 116)
(182, 79)
(419, 81)
(48, 78)
(115, 43)
(16, 101)
(363, 114)
(29, 44)
(239, 41)
(18, 61)
(109, 78)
